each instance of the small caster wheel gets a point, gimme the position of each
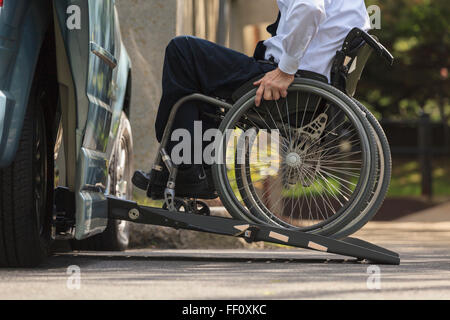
(180, 206)
(201, 208)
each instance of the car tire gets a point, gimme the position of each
(26, 194)
(116, 235)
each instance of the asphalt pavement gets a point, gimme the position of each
(247, 274)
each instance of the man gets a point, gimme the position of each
(306, 36)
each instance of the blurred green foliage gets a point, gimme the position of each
(417, 32)
(406, 179)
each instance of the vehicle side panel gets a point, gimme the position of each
(92, 56)
(23, 25)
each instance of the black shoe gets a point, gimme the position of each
(158, 179)
(193, 182)
(141, 180)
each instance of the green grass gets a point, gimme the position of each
(406, 182)
(142, 200)
(330, 187)
(406, 178)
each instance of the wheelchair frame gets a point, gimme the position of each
(119, 209)
(130, 211)
(251, 232)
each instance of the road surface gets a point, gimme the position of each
(241, 274)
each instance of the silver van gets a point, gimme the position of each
(65, 87)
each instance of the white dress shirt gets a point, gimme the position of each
(311, 31)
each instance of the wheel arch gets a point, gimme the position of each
(128, 93)
(29, 32)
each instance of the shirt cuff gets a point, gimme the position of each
(288, 64)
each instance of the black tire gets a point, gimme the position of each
(254, 214)
(382, 183)
(381, 187)
(26, 194)
(116, 235)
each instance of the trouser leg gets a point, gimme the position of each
(193, 65)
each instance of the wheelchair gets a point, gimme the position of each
(316, 161)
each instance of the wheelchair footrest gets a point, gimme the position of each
(130, 211)
(141, 180)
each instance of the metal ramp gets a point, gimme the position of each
(361, 250)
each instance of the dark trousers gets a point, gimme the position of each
(194, 65)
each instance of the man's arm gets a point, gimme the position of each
(304, 18)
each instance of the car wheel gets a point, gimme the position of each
(116, 235)
(26, 194)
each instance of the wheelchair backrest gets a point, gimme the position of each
(351, 60)
(356, 67)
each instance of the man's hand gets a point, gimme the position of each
(273, 86)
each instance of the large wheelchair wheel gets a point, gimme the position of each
(382, 181)
(307, 162)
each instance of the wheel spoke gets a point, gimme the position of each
(312, 179)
